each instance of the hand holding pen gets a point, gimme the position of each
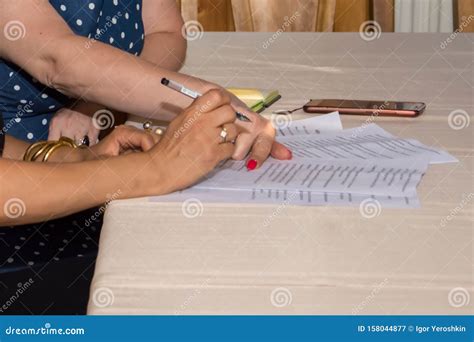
(256, 146)
(194, 95)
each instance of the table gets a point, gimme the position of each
(312, 260)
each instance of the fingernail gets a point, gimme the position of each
(251, 164)
(290, 155)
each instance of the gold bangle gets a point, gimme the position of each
(31, 149)
(68, 141)
(35, 150)
(53, 148)
(43, 148)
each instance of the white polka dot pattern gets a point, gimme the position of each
(28, 103)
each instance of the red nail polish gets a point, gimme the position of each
(251, 164)
(290, 154)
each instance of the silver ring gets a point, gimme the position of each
(223, 135)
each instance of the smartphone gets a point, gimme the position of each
(358, 107)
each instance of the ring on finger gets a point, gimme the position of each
(223, 135)
(85, 141)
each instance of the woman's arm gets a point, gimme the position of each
(165, 44)
(57, 57)
(49, 190)
(39, 186)
(43, 191)
(120, 140)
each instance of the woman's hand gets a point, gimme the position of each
(68, 122)
(122, 139)
(192, 145)
(257, 137)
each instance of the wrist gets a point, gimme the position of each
(154, 178)
(72, 155)
(85, 154)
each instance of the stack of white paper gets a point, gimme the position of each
(330, 166)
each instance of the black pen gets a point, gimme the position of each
(194, 95)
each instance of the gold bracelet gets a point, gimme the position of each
(69, 142)
(63, 141)
(30, 150)
(34, 151)
(43, 148)
(53, 148)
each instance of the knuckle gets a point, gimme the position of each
(229, 113)
(120, 129)
(238, 155)
(216, 95)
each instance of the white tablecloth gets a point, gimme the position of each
(312, 260)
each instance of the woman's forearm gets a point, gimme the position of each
(14, 148)
(95, 77)
(45, 191)
(94, 71)
(166, 49)
(106, 75)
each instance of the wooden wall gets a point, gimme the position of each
(216, 15)
(350, 14)
(464, 20)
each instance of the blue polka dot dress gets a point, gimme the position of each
(27, 105)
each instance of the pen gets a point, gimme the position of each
(194, 95)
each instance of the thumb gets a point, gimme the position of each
(280, 151)
(93, 135)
